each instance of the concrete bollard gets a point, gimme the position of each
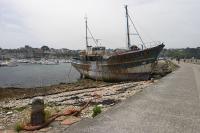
(37, 112)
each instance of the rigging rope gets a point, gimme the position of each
(136, 31)
(92, 36)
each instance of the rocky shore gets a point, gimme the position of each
(15, 103)
(10, 93)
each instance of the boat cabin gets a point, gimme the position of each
(99, 50)
(93, 53)
(134, 48)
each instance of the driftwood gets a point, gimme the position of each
(73, 112)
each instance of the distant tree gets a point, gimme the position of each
(182, 53)
(27, 47)
(45, 48)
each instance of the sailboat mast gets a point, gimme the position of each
(86, 30)
(127, 24)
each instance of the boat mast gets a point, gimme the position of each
(137, 33)
(127, 24)
(86, 36)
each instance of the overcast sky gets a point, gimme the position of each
(60, 23)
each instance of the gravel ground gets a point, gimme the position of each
(14, 111)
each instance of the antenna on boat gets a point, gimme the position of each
(128, 34)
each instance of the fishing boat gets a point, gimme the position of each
(133, 63)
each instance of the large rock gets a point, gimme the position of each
(37, 112)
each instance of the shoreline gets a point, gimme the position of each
(7, 93)
(17, 107)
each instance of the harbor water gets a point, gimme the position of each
(36, 75)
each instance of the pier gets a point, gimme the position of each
(171, 105)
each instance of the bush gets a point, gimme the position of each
(96, 111)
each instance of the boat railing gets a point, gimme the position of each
(152, 44)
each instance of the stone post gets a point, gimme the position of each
(37, 112)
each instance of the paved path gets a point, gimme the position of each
(170, 106)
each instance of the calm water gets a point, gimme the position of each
(34, 75)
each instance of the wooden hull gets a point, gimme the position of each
(132, 65)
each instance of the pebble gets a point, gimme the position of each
(2, 127)
(9, 113)
(100, 105)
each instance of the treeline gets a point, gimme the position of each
(186, 53)
(28, 52)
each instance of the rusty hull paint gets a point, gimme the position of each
(133, 65)
(96, 72)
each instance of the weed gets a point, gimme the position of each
(47, 114)
(18, 127)
(96, 111)
(20, 109)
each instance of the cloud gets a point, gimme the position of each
(174, 21)
(60, 23)
(13, 30)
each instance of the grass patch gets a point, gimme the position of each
(18, 127)
(96, 111)
(49, 111)
(20, 109)
(47, 114)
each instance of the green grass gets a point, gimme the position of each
(96, 111)
(20, 109)
(18, 127)
(47, 114)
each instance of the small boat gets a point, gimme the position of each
(49, 62)
(3, 64)
(133, 63)
(67, 61)
(23, 61)
(8, 64)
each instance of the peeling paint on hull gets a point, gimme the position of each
(134, 73)
(133, 65)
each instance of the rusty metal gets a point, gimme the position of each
(130, 65)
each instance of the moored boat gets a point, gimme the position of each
(48, 62)
(8, 64)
